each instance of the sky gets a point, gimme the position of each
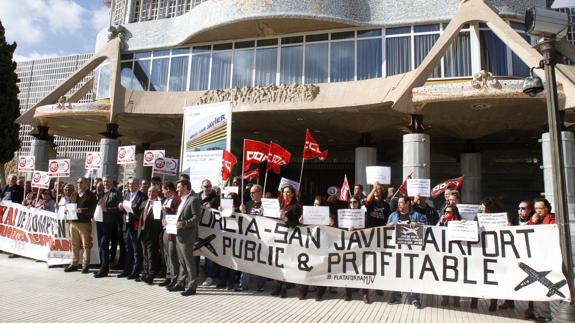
(49, 28)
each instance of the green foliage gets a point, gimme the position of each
(9, 105)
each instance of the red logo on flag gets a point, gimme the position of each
(249, 176)
(403, 187)
(311, 148)
(277, 157)
(452, 184)
(344, 193)
(228, 161)
(255, 152)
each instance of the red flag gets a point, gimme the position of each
(452, 184)
(344, 193)
(249, 176)
(255, 152)
(403, 187)
(277, 157)
(228, 161)
(311, 148)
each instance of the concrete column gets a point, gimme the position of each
(109, 152)
(568, 140)
(471, 169)
(140, 171)
(42, 151)
(364, 156)
(416, 157)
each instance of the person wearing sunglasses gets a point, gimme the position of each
(525, 211)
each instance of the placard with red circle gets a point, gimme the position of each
(40, 179)
(151, 155)
(126, 155)
(93, 160)
(59, 168)
(26, 163)
(166, 166)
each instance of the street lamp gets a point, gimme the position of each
(550, 26)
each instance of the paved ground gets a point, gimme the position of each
(31, 292)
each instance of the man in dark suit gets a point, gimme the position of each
(108, 204)
(131, 208)
(149, 232)
(188, 212)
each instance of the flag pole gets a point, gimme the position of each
(302, 159)
(242, 172)
(266, 176)
(349, 190)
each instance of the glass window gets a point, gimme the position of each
(142, 75)
(180, 51)
(159, 79)
(316, 60)
(425, 28)
(369, 33)
(126, 74)
(124, 57)
(493, 53)
(291, 64)
(422, 45)
(343, 35)
(223, 46)
(221, 70)
(243, 67)
(200, 72)
(178, 73)
(368, 58)
(160, 53)
(143, 55)
(201, 49)
(457, 59)
(104, 82)
(398, 30)
(267, 42)
(398, 55)
(314, 38)
(266, 66)
(292, 40)
(244, 44)
(342, 61)
(519, 68)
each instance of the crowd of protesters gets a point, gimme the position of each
(132, 237)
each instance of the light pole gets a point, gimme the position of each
(566, 311)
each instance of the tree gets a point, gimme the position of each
(9, 105)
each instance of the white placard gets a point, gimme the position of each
(59, 168)
(492, 220)
(468, 211)
(381, 174)
(462, 231)
(230, 189)
(351, 218)
(40, 179)
(171, 220)
(285, 182)
(71, 211)
(166, 166)
(157, 210)
(151, 155)
(271, 208)
(127, 204)
(98, 214)
(418, 186)
(26, 163)
(93, 160)
(315, 215)
(227, 207)
(126, 155)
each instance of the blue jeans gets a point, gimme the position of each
(245, 280)
(396, 296)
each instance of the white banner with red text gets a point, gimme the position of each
(519, 263)
(39, 234)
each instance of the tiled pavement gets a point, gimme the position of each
(32, 292)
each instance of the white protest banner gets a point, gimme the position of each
(227, 206)
(351, 218)
(39, 234)
(369, 258)
(271, 208)
(126, 155)
(285, 182)
(468, 211)
(230, 189)
(315, 215)
(418, 186)
(462, 231)
(93, 160)
(71, 213)
(166, 166)
(59, 168)
(171, 220)
(40, 179)
(26, 163)
(379, 174)
(205, 134)
(492, 220)
(151, 155)
(157, 210)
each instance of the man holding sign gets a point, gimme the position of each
(405, 214)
